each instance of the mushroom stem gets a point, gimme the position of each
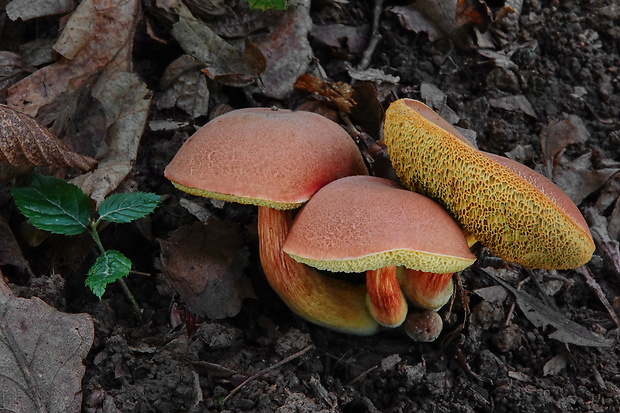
(329, 302)
(424, 289)
(386, 301)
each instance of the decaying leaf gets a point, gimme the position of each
(541, 315)
(223, 61)
(340, 38)
(514, 103)
(339, 94)
(204, 263)
(555, 365)
(98, 35)
(10, 252)
(30, 9)
(556, 136)
(610, 248)
(12, 69)
(234, 19)
(287, 50)
(25, 142)
(41, 352)
(185, 87)
(125, 99)
(444, 18)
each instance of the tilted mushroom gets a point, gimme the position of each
(517, 213)
(277, 159)
(364, 223)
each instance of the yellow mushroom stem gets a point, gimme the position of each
(328, 302)
(385, 299)
(424, 289)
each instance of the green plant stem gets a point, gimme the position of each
(134, 303)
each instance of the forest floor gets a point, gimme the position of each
(537, 81)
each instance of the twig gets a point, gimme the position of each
(375, 37)
(134, 304)
(266, 370)
(362, 374)
(587, 274)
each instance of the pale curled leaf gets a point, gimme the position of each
(41, 352)
(108, 267)
(125, 100)
(25, 142)
(541, 315)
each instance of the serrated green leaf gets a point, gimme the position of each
(54, 205)
(109, 267)
(128, 207)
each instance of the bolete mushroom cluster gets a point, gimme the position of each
(277, 159)
(407, 245)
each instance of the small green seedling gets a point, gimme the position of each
(267, 4)
(54, 205)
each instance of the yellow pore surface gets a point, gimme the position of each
(504, 211)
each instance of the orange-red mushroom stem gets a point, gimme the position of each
(325, 301)
(386, 300)
(424, 289)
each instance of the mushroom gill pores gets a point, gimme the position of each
(515, 212)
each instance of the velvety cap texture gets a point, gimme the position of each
(267, 157)
(363, 223)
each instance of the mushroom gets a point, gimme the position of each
(364, 223)
(515, 212)
(277, 159)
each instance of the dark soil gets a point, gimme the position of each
(490, 357)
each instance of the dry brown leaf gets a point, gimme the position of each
(204, 263)
(339, 94)
(12, 69)
(473, 13)
(609, 248)
(514, 103)
(98, 35)
(30, 9)
(541, 315)
(286, 49)
(223, 61)
(10, 252)
(125, 100)
(340, 38)
(41, 352)
(185, 87)
(25, 142)
(555, 137)
(444, 18)
(555, 365)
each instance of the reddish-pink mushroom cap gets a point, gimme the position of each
(261, 156)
